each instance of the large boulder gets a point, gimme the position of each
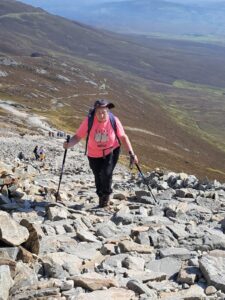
(212, 267)
(169, 265)
(11, 232)
(60, 263)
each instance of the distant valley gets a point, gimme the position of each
(201, 20)
(169, 94)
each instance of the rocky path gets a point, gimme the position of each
(135, 249)
(31, 120)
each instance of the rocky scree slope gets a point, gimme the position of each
(135, 249)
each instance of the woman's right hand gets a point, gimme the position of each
(66, 145)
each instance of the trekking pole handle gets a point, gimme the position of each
(132, 156)
(68, 138)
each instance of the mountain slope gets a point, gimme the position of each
(77, 64)
(146, 16)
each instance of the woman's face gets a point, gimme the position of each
(101, 114)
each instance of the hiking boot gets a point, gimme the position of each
(105, 200)
(100, 202)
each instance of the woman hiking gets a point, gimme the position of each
(104, 134)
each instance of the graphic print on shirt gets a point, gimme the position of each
(101, 137)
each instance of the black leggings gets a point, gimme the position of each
(102, 168)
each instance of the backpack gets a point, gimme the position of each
(91, 115)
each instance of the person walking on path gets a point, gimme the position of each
(35, 151)
(104, 134)
(41, 153)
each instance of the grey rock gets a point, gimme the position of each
(48, 229)
(119, 196)
(142, 193)
(73, 293)
(208, 203)
(161, 237)
(115, 261)
(85, 250)
(24, 278)
(107, 230)
(180, 253)
(178, 230)
(84, 235)
(140, 288)
(188, 275)
(62, 243)
(59, 229)
(79, 224)
(47, 293)
(9, 252)
(194, 292)
(61, 264)
(6, 282)
(190, 181)
(11, 232)
(112, 294)
(123, 216)
(169, 265)
(143, 238)
(162, 286)
(66, 285)
(130, 246)
(213, 270)
(146, 275)
(163, 186)
(56, 213)
(186, 193)
(134, 263)
(93, 281)
(213, 239)
(210, 290)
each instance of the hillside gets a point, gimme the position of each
(195, 19)
(57, 68)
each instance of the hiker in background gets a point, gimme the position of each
(35, 151)
(41, 153)
(104, 134)
(21, 156)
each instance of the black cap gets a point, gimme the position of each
(103, 103)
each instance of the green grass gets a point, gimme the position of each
(215, 171)
(182, 118)
(182, 84)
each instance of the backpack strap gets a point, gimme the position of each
(114, 126)
(91, 115)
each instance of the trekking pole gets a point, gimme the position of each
(142, 175)
(145, 181)
(63, 163)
